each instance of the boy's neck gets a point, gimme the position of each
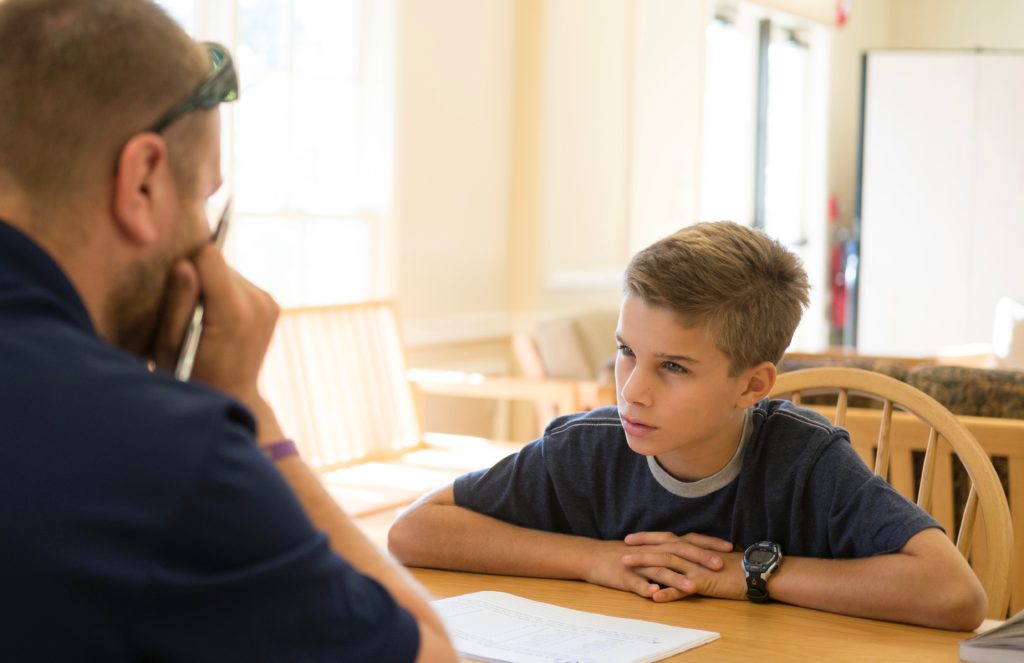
(696, 462)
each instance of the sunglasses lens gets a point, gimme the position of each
(227, 81)
(217, 56)
(222, 85)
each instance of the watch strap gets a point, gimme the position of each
(757, 588)
(757, 574)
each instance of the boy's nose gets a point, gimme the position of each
(634, 388)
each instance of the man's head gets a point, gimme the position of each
(80, 77)
(745, 288)
(98, 142)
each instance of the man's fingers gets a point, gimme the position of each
(219, 288)
(182, 295)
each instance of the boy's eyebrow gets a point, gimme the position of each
(676, 358)
(679, 358)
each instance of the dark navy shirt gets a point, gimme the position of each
(795, 480)
(138, 519)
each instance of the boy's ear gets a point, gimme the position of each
(759, 380)
(141, 167)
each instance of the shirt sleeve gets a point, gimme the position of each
(518, 489)
(866, 515)
(243, 575)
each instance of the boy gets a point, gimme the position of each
(697, 484)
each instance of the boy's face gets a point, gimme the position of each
(675, 397)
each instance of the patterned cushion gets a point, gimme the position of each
(890, 369)
(979, 392)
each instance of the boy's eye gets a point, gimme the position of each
(625, 350)
(673, 367)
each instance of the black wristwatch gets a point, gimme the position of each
(759, 562)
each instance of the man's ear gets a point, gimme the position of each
(141, 171)
(758, 381)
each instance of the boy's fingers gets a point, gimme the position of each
(649, 538)
(674, 557)
(667, 578)
(641, 586)
(665, 560)
(667, 594)
(709, 542)
(656, 538)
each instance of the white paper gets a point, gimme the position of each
(495, 626)
(1004, 642)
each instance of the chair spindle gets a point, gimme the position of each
(884, 448)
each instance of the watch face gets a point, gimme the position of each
(760, 557)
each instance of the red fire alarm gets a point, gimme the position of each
(843, 8)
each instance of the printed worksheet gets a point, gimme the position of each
(495, 626)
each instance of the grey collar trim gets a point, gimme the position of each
(710, 484)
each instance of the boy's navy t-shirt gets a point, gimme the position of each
(795, 480)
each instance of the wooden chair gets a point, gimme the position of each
(337, 379)
(887, 439)
(579, 348)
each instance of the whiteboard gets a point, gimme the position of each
(941, 201)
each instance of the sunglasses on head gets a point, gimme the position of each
(220, 86)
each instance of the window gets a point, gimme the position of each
(785, 165)
(764, 142)
(307, 150)
(730, 119)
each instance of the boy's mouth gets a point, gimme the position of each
(636, 428)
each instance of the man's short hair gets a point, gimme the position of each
(745, 287)
(77, 79)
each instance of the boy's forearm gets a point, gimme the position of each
(451, 537)
(894, 587)
(927, 582)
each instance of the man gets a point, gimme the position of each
(141, 519)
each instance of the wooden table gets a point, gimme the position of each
(772, 632)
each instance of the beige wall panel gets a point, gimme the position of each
(584, 145)
(454, 82)
(957, 23)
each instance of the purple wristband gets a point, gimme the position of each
(280, 449)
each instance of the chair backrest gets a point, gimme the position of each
(336, 377)
(922, 425)
(579, 348)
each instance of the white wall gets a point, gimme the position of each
(584, 147)
(956, 23)
(667, 118)
(539, 144)
(453, 128)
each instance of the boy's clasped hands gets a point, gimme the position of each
(663, 566)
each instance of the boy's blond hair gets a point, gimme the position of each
(745, 287)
